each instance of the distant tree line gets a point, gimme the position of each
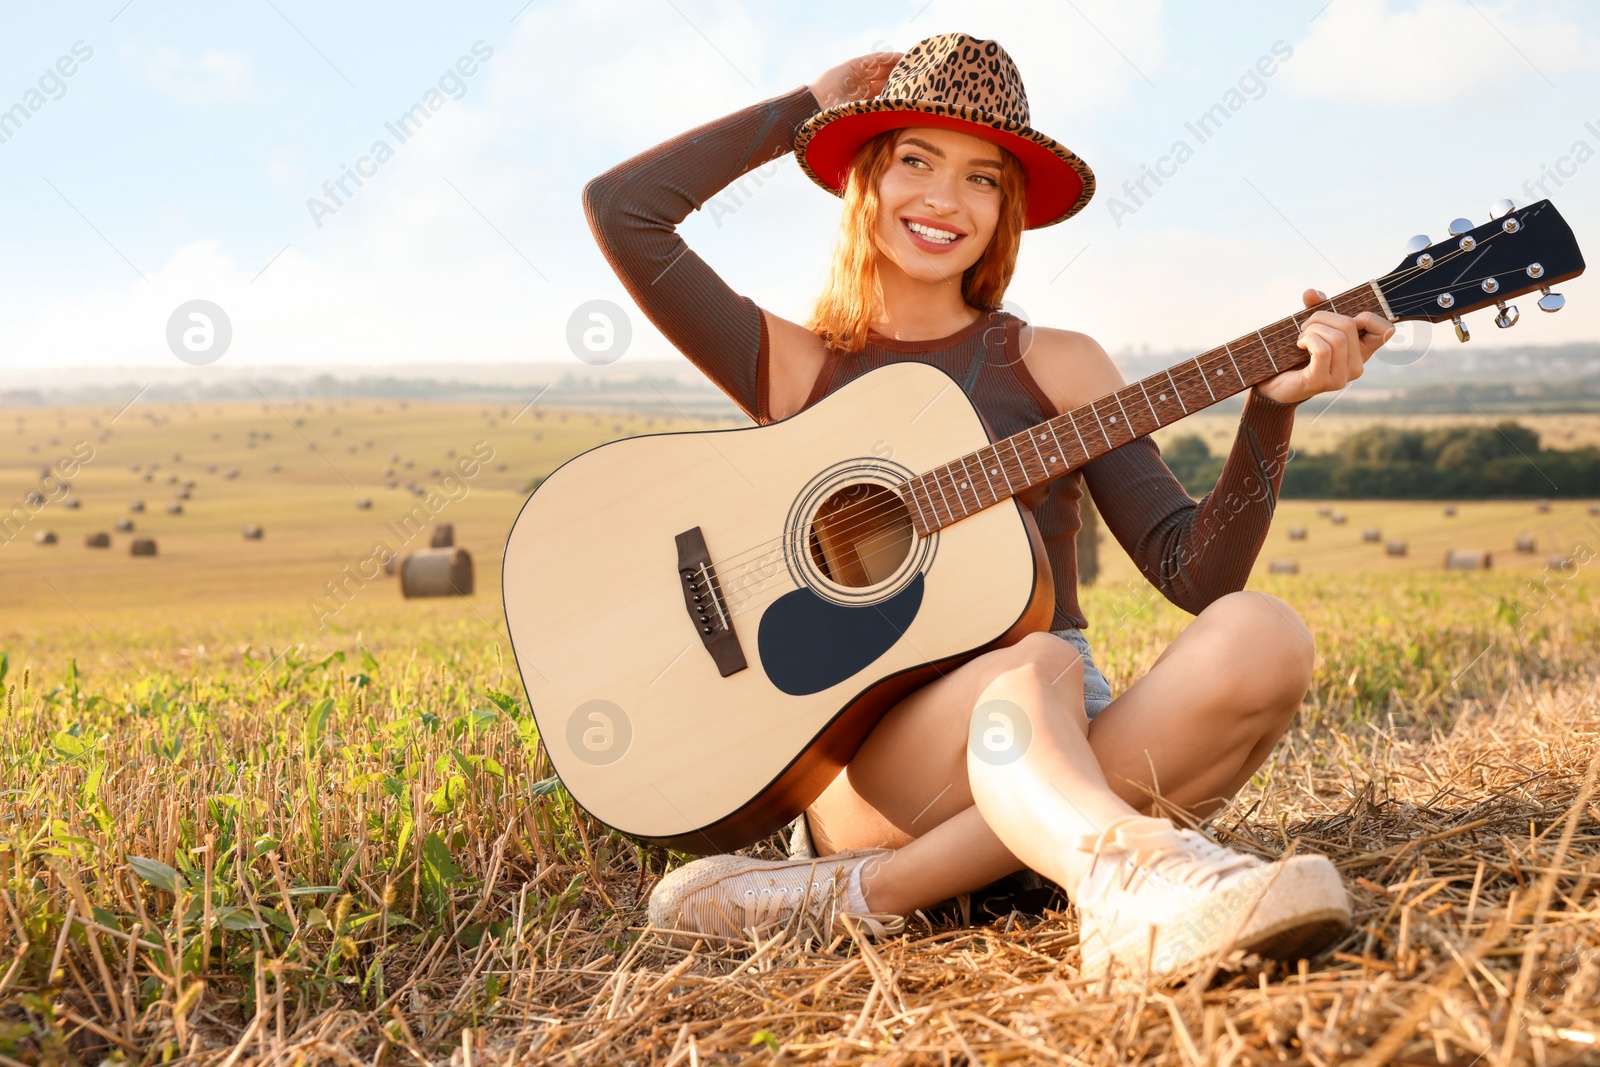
(1388, 463)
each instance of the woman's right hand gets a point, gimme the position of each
(860, 78)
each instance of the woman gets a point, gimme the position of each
(940, 174)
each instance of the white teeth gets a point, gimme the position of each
(941, 236)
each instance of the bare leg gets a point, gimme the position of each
(1198, 725)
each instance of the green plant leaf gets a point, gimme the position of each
(439, 872)
(317, 721)
(157, 874)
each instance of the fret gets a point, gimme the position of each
(1022, 463)
(926, 525)
(1061, 453)
(1153, 413)
(977, 500)
(947, 512)
(1203, 381)
(1126, 422)
(1176, 391)
(1096, 412)
(1235, 363)
(1268, 349)
(985, 474)
(1001, 464)
(956, 489)
(1033, 438)
(1074, 420)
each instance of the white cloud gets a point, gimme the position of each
(1368, 52)
(215, 77)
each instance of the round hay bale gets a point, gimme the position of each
(124, 525)
(175, 508)
(444, 535)
(1395, 548)
(142, 546)
(1557, 563)
(1449, 511)
(1594, 509)
(390, 564)
(1372, 534)
(1467, 559)
(1297, 533)
(231, 473)
(1543, 505)
(1527, 545)
(34, 499)
(252, 532)
(436, 572)
(1324, 511)
(363, 504)
(136, 505)
(1339, 518)
(97, 540)
(72, 503)
(1283, 566)
(45, 537)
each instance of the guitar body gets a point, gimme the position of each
(823, 608)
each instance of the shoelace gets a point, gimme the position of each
(1158, 847)
(769, 904)
(824, 902)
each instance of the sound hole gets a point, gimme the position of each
(861, 534)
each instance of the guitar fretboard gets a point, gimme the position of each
(945, 495)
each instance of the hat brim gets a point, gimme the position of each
(1059, 183)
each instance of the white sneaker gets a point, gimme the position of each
(1158, 898)
(741, 897)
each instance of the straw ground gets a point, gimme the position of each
(223, 841)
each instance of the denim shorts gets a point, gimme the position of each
(1096, 690)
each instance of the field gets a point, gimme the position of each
(1319, 433)
(235, 828)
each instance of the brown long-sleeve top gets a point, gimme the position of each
(1192, 552)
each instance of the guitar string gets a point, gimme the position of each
(880, 511)
(748, 590)
(897, 504)
(743, 585)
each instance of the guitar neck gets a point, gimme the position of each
(947, 494)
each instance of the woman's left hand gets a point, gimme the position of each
(1339, 346)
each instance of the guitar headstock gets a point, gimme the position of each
(1519, 251)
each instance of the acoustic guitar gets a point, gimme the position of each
(709, 624)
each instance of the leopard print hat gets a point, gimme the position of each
(957, 82)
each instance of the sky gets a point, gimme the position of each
(184, 158)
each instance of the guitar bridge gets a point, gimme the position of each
(708, 608)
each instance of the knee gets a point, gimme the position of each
(1042, 659)
(1266, 641)
(1041, 668)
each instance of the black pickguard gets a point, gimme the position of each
(808, 644)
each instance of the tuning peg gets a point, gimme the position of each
(1551, 301)
(1502, 208)
(1507, 316)
(1418, 243)
(1462, 333)
(1459, 226)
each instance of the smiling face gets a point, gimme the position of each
(938, 202)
